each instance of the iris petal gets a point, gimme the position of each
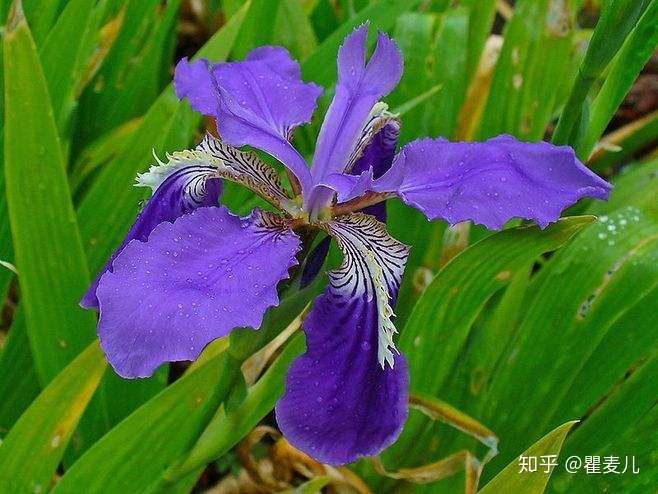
(359, 87)
(490, 182)
(347, 395)
(193, 281)
(257, 102)
(487, 182)
(177, 191)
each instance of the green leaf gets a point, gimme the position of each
(510, 480)
(227, 429)
(313, 486)
(414, 33)
(537, 48)
(294, 30)
(617, 20)
(450, 71)
(60, 54)
(19, 384)
(258, 27)
(49, 255)
(168, 125)
(132, 76)
(597, 305)
(444, 321)
(630, 140)
(134, 454)
(482, 13)
(456, 296)
(623, 72)
(34, 447)
(144, 84)
(41, 16)
(142, 449)
(611, 431)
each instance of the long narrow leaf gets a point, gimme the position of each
(617, 20)
(31, 452)
(637, 49)
(49, 254)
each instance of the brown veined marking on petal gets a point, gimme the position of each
(249, 170)
(373, 264)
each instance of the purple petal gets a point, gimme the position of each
(347, 395)
(278, 59)
(359, 87)
(490, 182)
(314, 262)
(376, 160)
(245, 168)
(181, 191)
(193, 281)
(257, 102)
(378, 154)
(193, 80)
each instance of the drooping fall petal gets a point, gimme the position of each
(347, 395)
(193, 281)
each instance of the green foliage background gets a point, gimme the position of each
(524, 330)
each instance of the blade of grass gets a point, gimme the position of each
(41, 16)
(624, 69)
(536, 48)
(510, 480)
(445, 317)
(60, 52)
(617, 20)
(450, 70)
(293, 29)
(258, 26)
(34, 447)
(227, 429)
(168, 125)
(19, 384)
(619, 146)
(134, 453)
(49, 253)
(481, 17)
(605, 318)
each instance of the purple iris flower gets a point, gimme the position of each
(189, 271)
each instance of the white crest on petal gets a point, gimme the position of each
(214, 158)
(373, 264)
(196, 172)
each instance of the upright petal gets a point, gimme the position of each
(490, 182)
(193, 281)
(347, 395)
(257, 102)
(375, 149)
(194, 81)
(359, 87)
(374, 155)
(177, 190)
